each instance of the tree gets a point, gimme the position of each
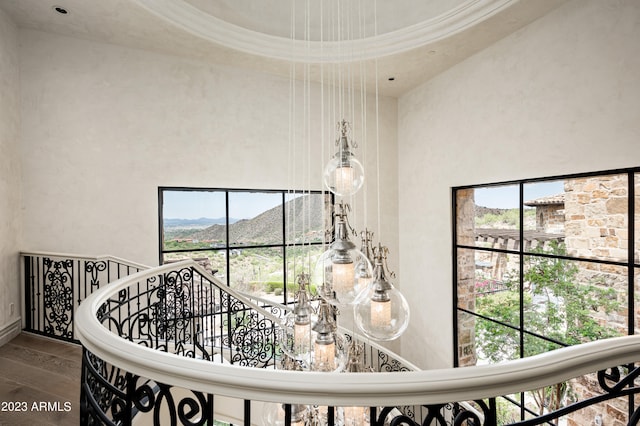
(556, 305)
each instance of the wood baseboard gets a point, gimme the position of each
(9, 331)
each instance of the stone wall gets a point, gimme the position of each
(596, 227)
(596, 217)
(611, 413)
(465, 206)
(596, 212)
(550, 218)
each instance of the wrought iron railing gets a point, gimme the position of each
(55, 284)
(151, 351)
(374, 356)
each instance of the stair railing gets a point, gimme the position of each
(151, 349)
(54, 285)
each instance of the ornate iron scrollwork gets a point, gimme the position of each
(113, 397)
(93, 268)
(388, 364)
(251, 337)
(58, 297)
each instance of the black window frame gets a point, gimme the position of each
(631, 263)
(228, 246)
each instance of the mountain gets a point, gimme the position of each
(190, 223)
(303, 217)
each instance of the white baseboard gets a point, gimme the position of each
(9, 331)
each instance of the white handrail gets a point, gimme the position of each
(336, 389)
(84, 257)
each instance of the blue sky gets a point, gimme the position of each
(197, 204)
(506, 197)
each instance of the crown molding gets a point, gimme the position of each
(218, 31)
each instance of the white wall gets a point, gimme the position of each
(560, 96)
(10, 224)
(103, 126)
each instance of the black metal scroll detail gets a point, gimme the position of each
(251, 337)
(174, 311)
(110, 396)
(390, 365)
(466, 417)
(449, 414)
(94, 269)
(195, 409)
(615, 382)
(103, 393)
(58, 297)
(397, 420)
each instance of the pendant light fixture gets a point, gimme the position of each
(363, 267)
(341, 266)
(344, 174)
(324, 349)
(382, 312)
(297, 334)
(302, 312)
(355, 416)
(328, 346)
(312, 339)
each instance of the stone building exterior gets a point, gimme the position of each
(550, 215)
(466, 268)
(596, 227)
(592, 218)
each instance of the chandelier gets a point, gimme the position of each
(346, 279)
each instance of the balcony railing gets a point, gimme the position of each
(172, 344)
(55, 284)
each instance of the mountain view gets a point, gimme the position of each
(303, 219)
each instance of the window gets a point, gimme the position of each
(254, 241)
(544, 263)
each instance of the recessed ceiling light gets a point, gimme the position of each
(61, 10)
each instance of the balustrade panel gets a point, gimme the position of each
(186, 313)
(54, 287)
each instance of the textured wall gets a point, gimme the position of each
(560, 96)
(104, 126)
(9, 175)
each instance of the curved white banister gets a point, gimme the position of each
(338, 389)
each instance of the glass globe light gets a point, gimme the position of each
(340, 267)
(297, 326)
(342, 271)
(329, 352)
(296, 339)
(344, 175)
(381, 312)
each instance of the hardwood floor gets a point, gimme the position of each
(39, 382)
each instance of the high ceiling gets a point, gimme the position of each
(406, 41)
